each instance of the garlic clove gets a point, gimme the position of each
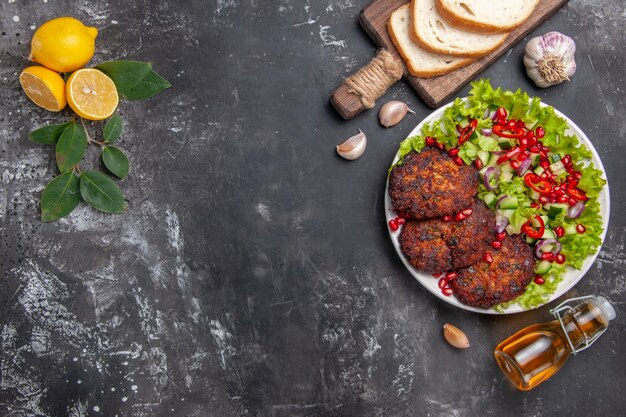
(455, 337)
(392, 113)
(549, 59)
(353, 147)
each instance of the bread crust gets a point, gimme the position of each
(420, 73)
(424, 44)
(473, 26)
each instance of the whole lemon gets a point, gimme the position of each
(63, 44)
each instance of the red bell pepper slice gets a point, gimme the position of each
(516, 132)
(532, 233)
(467, 132)
(577, 194)
(534, 182)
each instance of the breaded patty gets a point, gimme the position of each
(429, 184)
(506, 278)
(435, 246)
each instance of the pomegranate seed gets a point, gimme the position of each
(515, 164)
(457, 160)
(544, 163)
(567, 159)
(547, 256)
(580, 228)
(534, 149)
(439, 145)
(496, 244)
(512, 124)
(543, 199)
(540, 132)
(530, 135)
(562, 199)
(487, 257)
(442, 283)
(438, 275)
(446, 218)
(500, 236)
(393, 225)
(430, 141)
(501, 122)
(560, 259)
(543, 153)
(559, 231)
(453, 152)
(400, 220)
(451, 275)
(478, 163)
(539, 280)
(460, 216)
(521, 124)
(571, 201)
(535, 205)
(467, 212)
(524, 141)
(447, 291)
(558, 193)
(501, 113)
(578, 175)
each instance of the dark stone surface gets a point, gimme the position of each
(253, 273)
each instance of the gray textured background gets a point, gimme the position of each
(253, 273)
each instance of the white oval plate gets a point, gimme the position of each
(571, 277)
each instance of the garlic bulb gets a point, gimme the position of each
(549, 59)
(392, 113)
(353, 147)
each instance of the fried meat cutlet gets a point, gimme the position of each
(434, 245)
(429, 184)
(485, 285)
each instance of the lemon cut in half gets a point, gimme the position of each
(91, 94)
(44, 87)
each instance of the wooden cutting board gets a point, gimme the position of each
(438, 90)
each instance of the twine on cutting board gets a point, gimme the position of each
(374, 79)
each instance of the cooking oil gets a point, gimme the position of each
(534, 354)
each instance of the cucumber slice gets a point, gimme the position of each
(509, 229)
(557, 168)
(539, 170)
(545, 219)
(509, 203)
(490, 200)
(530, 240)
(534, 195)
(506, 176)
(507, 213)
(463, 123)
(534, 157)
(570, 229)
(548, 234)
(525, 204)
(556, 209)
(542, 267)
(555, 157)
(507, 168)
(493, 160)
(484, 157)
(506, 143)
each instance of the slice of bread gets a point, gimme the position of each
(420, 62)
(434, 33)
(486, 16)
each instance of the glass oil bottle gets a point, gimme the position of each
(534, 354)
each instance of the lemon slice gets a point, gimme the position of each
(91, 94)
(44, 87)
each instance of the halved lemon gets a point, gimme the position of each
(91, 94)
(44, 87)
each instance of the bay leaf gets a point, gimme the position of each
(115, 161)
(60, 197)
(71, 147)
(100, 192)
(112, 129)
(48, 135)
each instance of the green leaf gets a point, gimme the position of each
(113, 129)
(100, 192)
(48, 135)
(125, 74)
(149, 86)
(71, 147)
(60, 197)
(115, 161)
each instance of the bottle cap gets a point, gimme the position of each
(606, 307)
